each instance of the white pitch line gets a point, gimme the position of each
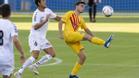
(106, 65)
(115, 65)
(57, 61)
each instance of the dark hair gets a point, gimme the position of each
(80, 2)
(36, 2)
(5, 10)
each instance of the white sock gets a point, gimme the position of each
(43, 60)
(27, 63)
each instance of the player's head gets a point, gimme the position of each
(80, 6)
(5, 10)
(40, 3)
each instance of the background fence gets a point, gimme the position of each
(64, 5)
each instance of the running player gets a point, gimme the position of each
(37, 38)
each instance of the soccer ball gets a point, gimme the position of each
(107, 11)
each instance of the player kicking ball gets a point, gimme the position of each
(8, 37)
(73, 21)
(37, 38)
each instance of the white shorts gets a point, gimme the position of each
(39, 44)
(6, 70)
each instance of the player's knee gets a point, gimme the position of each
(35, 54)
(52, 54)
(35, 57)
(87, 37)
(50, 51)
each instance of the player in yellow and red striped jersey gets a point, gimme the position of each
(73, 22)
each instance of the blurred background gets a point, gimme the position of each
(130, 6)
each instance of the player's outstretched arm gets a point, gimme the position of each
(39, 25)
(19, 48)
(58, 18)
(89, 32)
(60, 26)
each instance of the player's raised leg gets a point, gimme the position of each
(95, 40)
(50, 53)
(77, 36)
(98, 41)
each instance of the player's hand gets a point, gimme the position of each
(22, 59)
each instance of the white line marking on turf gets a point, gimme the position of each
(106, 65)
(57, 61)
(114, 65)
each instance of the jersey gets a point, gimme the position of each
(72, 37)
(7, 32)
(38, 17)
(73, 22)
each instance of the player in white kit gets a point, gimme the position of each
(37, 38)
(8, 37)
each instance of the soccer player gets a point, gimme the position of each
(73, 21)
(8, 37)
(37, 38)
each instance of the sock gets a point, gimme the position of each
(27, 63)
(43, 60)
(76, 69)
(97, 41)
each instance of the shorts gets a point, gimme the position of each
(39, 44)
(6, 70)
(73, 37)
(73, 40)
(76, 47)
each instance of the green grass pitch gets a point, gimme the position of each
(121, 60)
